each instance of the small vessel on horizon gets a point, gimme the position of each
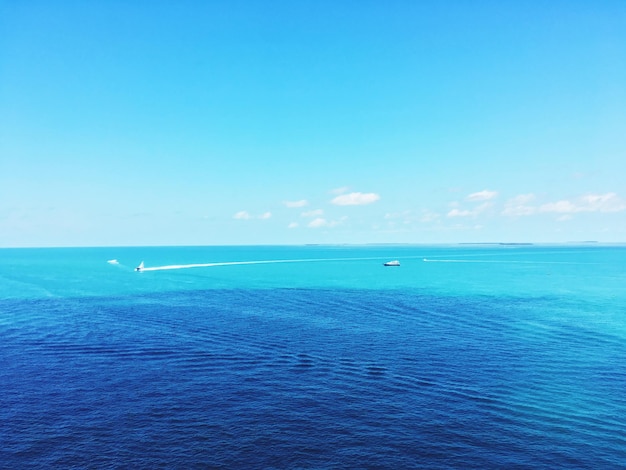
(392, 263)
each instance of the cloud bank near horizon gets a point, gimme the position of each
(474, 212)
(521, 205)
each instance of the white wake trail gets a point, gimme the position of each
(427, 260)
(233, 263)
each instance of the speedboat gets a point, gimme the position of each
(140, 267)
(392, 263)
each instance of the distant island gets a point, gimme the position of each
(495, 243)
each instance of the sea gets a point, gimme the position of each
(314, 357)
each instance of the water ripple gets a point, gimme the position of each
(296, 377)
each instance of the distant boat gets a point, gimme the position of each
(392, 263)
(113, 261)
(140, 267)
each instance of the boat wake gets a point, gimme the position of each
(142, 268)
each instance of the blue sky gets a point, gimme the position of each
(248, 122)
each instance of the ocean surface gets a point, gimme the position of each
(466, 356)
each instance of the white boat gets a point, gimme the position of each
(392, 263)
(140, 267)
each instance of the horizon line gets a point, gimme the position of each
(571, 242)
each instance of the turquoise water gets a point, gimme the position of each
(468, 356)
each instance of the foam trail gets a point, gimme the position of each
(426, 260)
(233, 263)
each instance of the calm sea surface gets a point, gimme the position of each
(468, 356)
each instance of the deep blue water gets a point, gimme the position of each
(478, 357)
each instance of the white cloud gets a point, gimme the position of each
(460, 213)
(300, 203)
(322, 222)
(609, 202)
(428, 216)
(523, 198)
(562, 207)
(245, 215)
(314, 213)
(355, 199)
(293, 225)
(467, 213)
(483, 195)
(242, 215)
(519, 206)
(319, 222)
